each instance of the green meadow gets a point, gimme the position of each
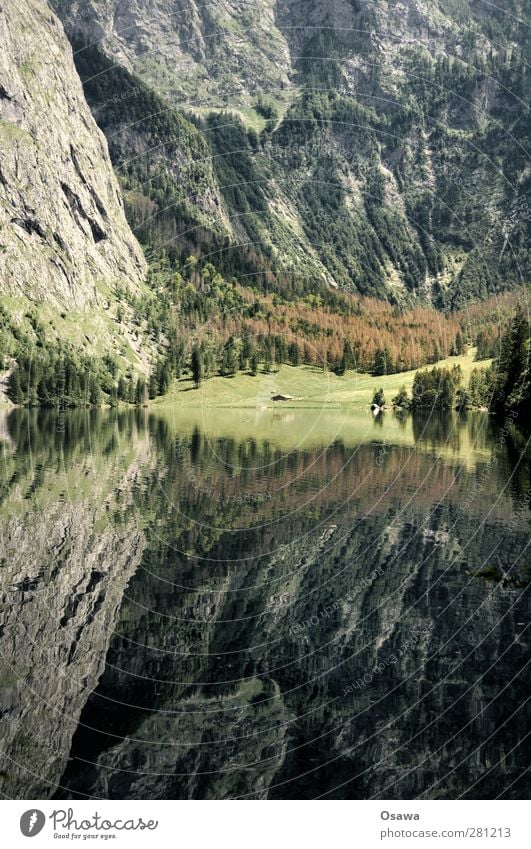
(311, 387)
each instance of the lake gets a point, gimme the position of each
(263, 604)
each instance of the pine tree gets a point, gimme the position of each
(229, 361)
(123, 389)
(459, 344)
(294, 354)
(280, 349)
(153, 385)
(197, 366)
(95, 394)
(401, 400)
(113, 397)
(60, 382)
(347, 358)
(378, 398)
(512, 362)
(163, 376)
(382, 362)
(463, 400)
(140, 392)
(14, 389)
(268, 355)
(247, 349)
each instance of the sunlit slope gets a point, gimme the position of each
(311, 386)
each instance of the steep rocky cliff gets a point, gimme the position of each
(376, 146)
(203, 50)
(190, 49)
(62, 225)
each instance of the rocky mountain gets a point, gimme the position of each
(192, 49)
(63, 231)
(377, 147)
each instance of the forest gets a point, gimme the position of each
(205, 325)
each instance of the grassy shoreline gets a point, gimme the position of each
(310, 386)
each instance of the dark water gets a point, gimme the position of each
(287, 606)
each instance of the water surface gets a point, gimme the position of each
(287, 604)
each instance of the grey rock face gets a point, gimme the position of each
(221, 49)
(62, 224)
(193, 47)
(410, 110)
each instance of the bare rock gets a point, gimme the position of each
(62, 223)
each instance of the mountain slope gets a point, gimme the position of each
(62, 224)
(378, 147)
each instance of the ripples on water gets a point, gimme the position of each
(284, 605)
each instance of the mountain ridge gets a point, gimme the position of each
(360, 159)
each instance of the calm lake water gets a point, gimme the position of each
(287, 604)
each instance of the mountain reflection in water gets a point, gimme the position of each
(262, 606)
